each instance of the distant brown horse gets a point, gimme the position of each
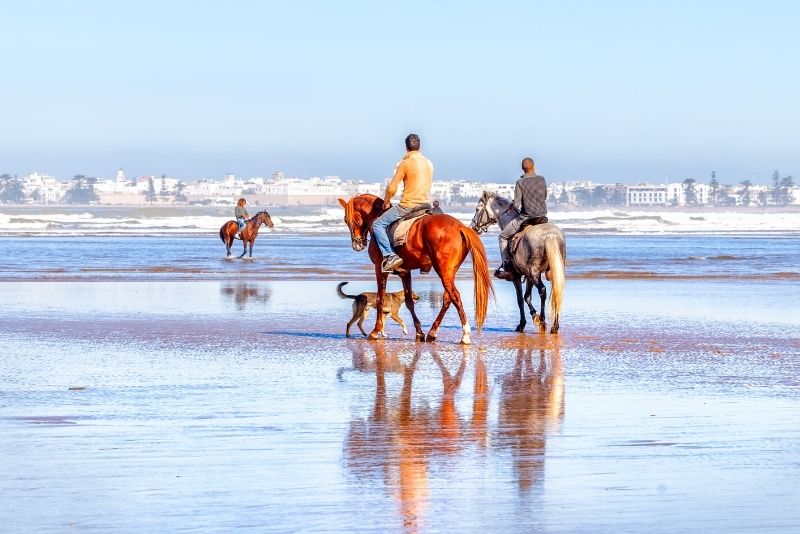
(439, 241)
(249, 232)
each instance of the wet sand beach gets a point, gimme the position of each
(663, 406)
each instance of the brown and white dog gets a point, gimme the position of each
(366, 301)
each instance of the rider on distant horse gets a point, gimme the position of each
(241, 216)
(530, 199)
(416, 173)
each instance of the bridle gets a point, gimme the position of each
(486, 215)
(359, 243)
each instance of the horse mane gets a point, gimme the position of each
(501, 199)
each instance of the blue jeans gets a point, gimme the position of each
(382, 223)
(240, 222)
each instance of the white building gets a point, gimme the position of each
(43, 188)
(647, 195)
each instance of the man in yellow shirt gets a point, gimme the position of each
(416, 173)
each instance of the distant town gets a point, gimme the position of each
(281, 190)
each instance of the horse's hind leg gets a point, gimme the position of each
(448, 281)
(543, 297)
(409, 299)
(434, 331)
(520, 302)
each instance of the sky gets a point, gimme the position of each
(610, 91)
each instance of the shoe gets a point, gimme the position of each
(504, 272)
(391, 262)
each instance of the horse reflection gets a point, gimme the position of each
(531, 406)
(245, 293)
(399, 438)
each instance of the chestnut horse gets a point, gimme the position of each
(438, 241)
(249, 232)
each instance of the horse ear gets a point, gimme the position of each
(342, 203)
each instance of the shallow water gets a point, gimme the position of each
(217, 405)
(280, 256)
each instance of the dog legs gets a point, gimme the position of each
(399, 321)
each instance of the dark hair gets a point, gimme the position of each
(412, 142)
(526, 161)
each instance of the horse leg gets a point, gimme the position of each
(520, 302)
(448, 281)
(529, 301)
(381, 277)
(409, 298)
(434, 331)
(252, 242)
(244, 246)
(543, 297)
(228, 243)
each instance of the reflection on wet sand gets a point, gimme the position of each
(531, 406)
(244, 293)
(398, 439)
(435, 297)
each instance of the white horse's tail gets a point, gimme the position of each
(556, 262)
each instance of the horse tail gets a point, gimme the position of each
(480, 274)
(556, 262)
(222, 232)
(344, 295)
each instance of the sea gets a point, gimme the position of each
(182, 242)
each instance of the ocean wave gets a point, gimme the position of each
(139, 222)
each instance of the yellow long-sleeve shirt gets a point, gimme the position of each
(416, 173)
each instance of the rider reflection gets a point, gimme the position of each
(531, 406)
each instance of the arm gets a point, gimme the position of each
(391, 189)
(518, 197)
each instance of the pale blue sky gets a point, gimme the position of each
(608, 91)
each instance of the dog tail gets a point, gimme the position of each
(480, 275)
(344, 295)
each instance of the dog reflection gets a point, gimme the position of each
(244, 293)
(531, 406)
(397, 440)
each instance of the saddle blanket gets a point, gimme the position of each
(398, 232)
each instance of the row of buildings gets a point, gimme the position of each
(280, 190)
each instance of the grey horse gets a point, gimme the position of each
(542, 250)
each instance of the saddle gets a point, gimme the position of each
(517, 238)
(398, 231)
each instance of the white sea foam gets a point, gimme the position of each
(108, 221)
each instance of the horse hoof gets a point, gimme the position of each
(420, 337)
(554, 330)
(373, 336)
(542, 328)
(465, 340)
(537, 319)
(520, 327)
(430, 338)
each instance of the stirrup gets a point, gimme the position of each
(390, 263)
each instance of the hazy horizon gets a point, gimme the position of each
(618, 92)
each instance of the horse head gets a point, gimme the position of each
(484, 216)
(262, 217)
(359, 213)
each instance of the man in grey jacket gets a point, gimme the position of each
(530, 199)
